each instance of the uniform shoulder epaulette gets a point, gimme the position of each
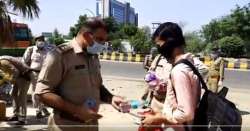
(63, 48)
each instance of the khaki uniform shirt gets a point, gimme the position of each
(71, 73)
(162, 70)
(34, 57)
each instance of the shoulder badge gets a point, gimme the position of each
(63, 48)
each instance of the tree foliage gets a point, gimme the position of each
(141, 41)
(231, 46)
(194, 43)
(235, 24)
(56, 38)
(26, 8)
(129, 30)
(74, 29)
(139, 38)
(111, 24)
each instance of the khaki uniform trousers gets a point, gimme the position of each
(19, 94)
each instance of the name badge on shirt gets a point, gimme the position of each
(159, 65)
(78, 67)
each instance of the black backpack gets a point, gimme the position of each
(215, 112)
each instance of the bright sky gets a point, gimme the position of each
(62, 14)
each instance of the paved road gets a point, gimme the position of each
(233, 78)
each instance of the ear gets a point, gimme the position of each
(87, 38)
(86, 35)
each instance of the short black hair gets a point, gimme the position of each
(92, 24)
(169, 31)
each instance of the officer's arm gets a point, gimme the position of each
(106, 96)
(55, 101)
(27, 56)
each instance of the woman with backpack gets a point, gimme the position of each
(183, 87)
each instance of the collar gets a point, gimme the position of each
(76, 47)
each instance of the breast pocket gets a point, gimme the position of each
(36, 57)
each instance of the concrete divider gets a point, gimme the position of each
(122, 57)
(230, 63)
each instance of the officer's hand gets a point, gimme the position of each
(116, 101)
(85, 114)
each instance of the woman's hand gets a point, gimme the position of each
(152, 123)
(153, 120)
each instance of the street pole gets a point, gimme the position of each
(155, 25)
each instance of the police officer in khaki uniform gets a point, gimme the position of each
(162, 69)
(34, 57)
(216, 71)
(70, 81)
(16, 73)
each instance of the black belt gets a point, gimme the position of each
(37, 71)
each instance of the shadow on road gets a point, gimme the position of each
(21, 129)
(32, 124)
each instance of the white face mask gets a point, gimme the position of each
(40, 44)
(96, 48)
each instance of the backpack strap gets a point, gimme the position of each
(188, 63)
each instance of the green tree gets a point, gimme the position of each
(141, 41)
(129, 30)
(74, 29)
(194, 43)
(26, 8)
(113, 29)
(56, 38)
(241, 17)
(231, 46)
(118, 32)
(211, 31)
(111, 24)
(116, 44)
(235, 24)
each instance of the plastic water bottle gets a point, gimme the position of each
(151, 79)
(136, 104)
(91, 104)
(125, 107)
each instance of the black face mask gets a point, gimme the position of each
(166, 49)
